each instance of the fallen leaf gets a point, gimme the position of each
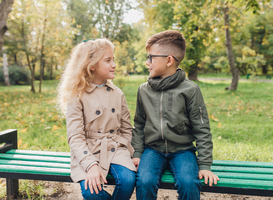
(24, 130)
(219, 124)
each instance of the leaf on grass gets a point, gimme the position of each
(54, 128)
(19, 143)
(48, 127)
(24, 146)
(24, 130)
(219, 124)
(42, 120)
(216, 120)
(220, 137)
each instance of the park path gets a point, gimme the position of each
(229, 79)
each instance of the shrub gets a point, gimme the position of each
(17, 76)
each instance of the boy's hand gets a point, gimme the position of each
(208, 175)
(136, 162)
(93, 179)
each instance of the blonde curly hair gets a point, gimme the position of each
(77, 75)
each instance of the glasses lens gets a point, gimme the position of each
(150, 58)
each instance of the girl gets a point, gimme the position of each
(99, 131)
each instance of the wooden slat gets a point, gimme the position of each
(39, 153)
(34, 164)
(228, 182)
(34, 158)
(242, 169)
(242, 163)
(35, 170)
(247, 176)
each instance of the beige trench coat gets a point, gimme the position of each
(99, 129)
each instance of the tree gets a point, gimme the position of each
(5, 9)
(96, 18)
(39, 36)
(234, 71)
(6, 69)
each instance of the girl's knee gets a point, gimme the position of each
(127, 179)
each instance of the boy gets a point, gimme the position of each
(170, 116)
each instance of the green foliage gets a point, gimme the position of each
(250, 60)
(17, 76)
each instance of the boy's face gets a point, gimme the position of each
(158, 66)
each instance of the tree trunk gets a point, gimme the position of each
(264, 69)
(192, 75)
(234, 71)
(6, 69)
(32, 74)
(5, 9)
(42, 57)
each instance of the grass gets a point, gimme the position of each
(241, 121)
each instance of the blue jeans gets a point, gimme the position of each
(125, 183)
(183, 166)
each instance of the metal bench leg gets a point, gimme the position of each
(12, 188)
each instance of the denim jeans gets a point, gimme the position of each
(183, 165)
(125, 183)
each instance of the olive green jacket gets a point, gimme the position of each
(171, 120)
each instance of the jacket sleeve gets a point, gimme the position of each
(126, 127)
(138, 130)
(76, 134)
(199, 119)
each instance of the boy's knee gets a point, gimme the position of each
(188, 184)
(145, 181)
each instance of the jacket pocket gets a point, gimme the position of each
(182, 128)
(92, 112)
(200, 114)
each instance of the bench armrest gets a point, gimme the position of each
(9, 138)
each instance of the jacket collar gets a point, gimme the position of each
(92, 86)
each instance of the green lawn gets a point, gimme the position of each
(241, 121)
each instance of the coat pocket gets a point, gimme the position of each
(91, 114)
(182, 128)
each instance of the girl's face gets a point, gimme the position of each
(105, 68)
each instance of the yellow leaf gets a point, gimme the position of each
(42, 120)
(212, 117)
(220, 137)
(239, 101)
(19, 142)
(24, 130)
(216, 120)
(24, 146)
(219, 125)
(54, 128)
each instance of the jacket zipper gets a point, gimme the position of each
(200, 109)
(161, 118)
(162, 122)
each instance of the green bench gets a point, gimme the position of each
(236, 177)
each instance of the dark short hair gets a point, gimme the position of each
(172, 39)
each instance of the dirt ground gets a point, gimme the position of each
(71, 191)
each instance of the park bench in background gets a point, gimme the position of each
(236, 177)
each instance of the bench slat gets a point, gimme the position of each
(242, 163)
(35, 170)
(242, 169)
(34, 164)
(34, 158)
(39, 153)
(231, 182)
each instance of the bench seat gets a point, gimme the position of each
(236, 177)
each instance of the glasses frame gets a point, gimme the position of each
(150, 57)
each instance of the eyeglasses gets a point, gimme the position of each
(150, 57)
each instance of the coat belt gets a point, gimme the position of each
(104, 145)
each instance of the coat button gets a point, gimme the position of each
(111, 131)
(113, 110)
(99, 132)
(97, 112)
(113, 149)
(85, 152)
(108, 89)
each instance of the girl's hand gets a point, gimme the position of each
(136, 162)
(93, 179)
